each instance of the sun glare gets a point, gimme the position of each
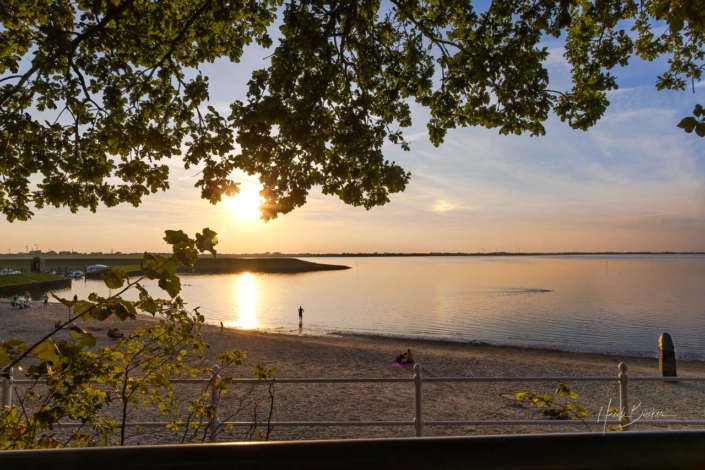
(246, 295)
(245, 206)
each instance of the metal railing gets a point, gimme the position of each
(418, 422)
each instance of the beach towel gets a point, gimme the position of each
(401, 366)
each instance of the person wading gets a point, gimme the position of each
(301, 315)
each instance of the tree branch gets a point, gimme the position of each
(439, 41)
(89, 32)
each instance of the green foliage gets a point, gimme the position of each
(100, 388)
(694, 123)
(118, 89)
(555, 407)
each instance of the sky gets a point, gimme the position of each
(634, 182)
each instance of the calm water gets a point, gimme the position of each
(570, 303)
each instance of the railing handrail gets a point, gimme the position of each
(418, 421)
(292, 380)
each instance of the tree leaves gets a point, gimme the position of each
(207, 241)
(84, 338)
(556, 410)
(688, 124)
(11, 349)
(337, 88)
(172, 285)
(89, 385)
(694, 123)
(115, 278)
(48, 352)
(82, 306)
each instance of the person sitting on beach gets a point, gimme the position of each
(400, 359)
(114, 333)
(57, 324)
(408, 358)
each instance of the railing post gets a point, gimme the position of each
(214, 424)
(418, 400)
(624, 412)
(667, 356)
(7, 390)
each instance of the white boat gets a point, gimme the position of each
(7, 271)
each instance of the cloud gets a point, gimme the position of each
(556, 57)
(621, 91)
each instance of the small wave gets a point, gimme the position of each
(409, 337)
(519, 290)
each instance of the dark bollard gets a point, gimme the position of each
(667, 356)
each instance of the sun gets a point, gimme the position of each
(245, 205)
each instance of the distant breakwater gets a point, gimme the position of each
(262, 265)
(251, 265)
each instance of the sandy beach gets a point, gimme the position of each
(311, 356)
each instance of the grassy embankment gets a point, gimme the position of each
(26, 278)
(35, 283)
(61, 264)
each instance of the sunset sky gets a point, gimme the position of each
(632, 183)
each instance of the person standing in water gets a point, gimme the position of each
(301, 315)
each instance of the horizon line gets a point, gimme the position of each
(269, 254)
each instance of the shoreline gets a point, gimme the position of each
(385, 339)
(340, 339)
(450, 342)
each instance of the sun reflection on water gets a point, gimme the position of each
(246, 295)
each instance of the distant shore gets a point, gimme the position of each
(204, 265)
(333, 356)
(79, 260)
